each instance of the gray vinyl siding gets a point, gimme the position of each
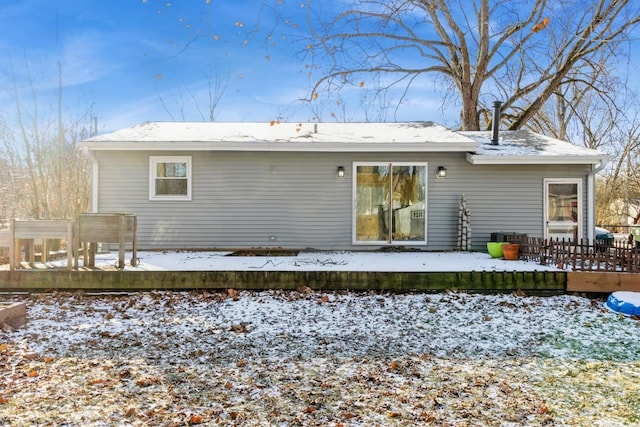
(242, 199)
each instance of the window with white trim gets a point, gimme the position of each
(170, 178)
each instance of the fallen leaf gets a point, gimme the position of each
(240, 328)
(146, 382)
(428, 418)
(33, 373)
(233, 294)
(196, 419)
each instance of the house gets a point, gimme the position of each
(339, 186)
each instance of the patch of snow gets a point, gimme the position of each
(526, 143)
(411, 132)
(319, 261)
(313, 358)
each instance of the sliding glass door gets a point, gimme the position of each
(390, 203)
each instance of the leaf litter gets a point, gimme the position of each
(312, 358)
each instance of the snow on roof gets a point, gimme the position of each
(410, 132)
(524, 146)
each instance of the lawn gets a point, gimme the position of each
(313, 358)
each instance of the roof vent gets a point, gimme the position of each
(495, 123)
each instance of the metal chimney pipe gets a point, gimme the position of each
(495, 123)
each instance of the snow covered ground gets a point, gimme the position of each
(311, 358)
(319, 261)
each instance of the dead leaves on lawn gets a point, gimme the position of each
(176, 359)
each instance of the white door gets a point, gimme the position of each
(563, 209)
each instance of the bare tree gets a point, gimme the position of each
(202, 102)
(619, 187)
(45, 175)
(522, 52)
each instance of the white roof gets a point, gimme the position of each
(526, 147)
(327, 137)
(514, 147)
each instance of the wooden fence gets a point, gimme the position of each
(585, 255)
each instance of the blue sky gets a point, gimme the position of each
(130, 61)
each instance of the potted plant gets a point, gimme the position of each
(495, 249)
(510, 251)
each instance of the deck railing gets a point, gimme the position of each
(583, 255)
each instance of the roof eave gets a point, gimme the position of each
(478, 159)
(279, 146)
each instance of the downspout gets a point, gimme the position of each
(591, 196)
(94, 180)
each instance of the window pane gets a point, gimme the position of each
(563, 202)
(166, 187)
(372, 183)
(177, 170)
(408, 203)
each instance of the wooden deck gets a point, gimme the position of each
(40, 277)
(38, 280)
(602, 282)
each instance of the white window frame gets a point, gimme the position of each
(545, 213)
(153, 162)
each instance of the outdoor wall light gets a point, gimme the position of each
(442, 171)
(340, 171)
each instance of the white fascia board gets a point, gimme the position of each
(327, 147)
(534, 160)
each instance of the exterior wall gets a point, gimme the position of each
(296, 200)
